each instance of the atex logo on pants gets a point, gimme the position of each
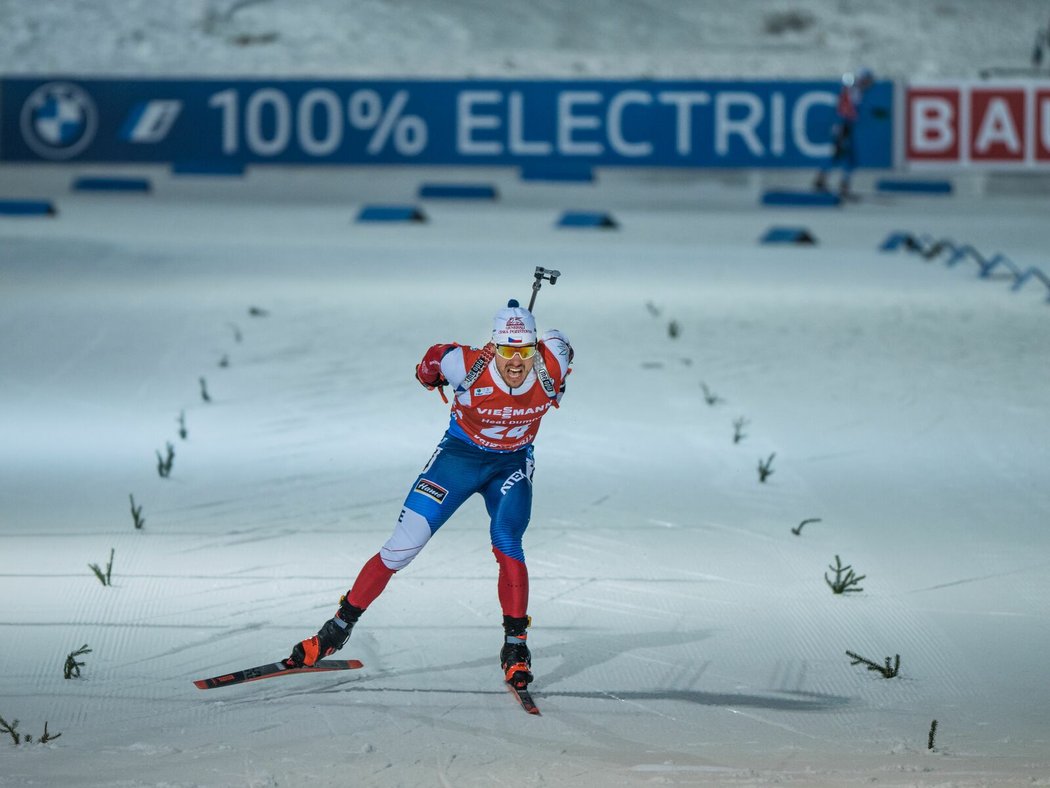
(978, 123)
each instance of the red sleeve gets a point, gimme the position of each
(428, 371)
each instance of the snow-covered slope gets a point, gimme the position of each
(458, 38)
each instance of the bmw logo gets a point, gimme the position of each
(58, 120)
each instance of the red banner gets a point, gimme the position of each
(977, 124)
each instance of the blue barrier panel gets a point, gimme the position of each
(788, 235)
(1031, 273)
(995, 262)
(806, 199)
(587, 219)
(914, 187)
(959, 253)
(895, 240)
(391, 213)
(207, 168)
(458, 191)
(557, 173)
(930, 249)
(105, 184)
(27, 208)
(537, 125)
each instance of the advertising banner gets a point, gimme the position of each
(977, 124)
(657, 123)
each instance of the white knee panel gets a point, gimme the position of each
(409, 537)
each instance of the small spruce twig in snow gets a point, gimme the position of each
(798, 531)
(845, 580)
(106, 578)
(709, 396)
(136, 514)
(72, 667)
(738, 429)
(888, 671)
(765, 468)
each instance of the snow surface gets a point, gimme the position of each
(683, 634)
(484, 38)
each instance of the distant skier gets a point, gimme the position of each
(501, 392)
(1042, 42)
(847, 113)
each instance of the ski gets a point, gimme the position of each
(520, 689)
(273, 669)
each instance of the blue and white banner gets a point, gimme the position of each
(489, 122)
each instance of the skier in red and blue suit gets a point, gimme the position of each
(847, 114)
(501, 392)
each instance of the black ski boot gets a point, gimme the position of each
(514, 657)
(329, 638)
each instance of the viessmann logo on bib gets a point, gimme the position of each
(58, 120)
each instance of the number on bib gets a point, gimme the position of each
(498, 433)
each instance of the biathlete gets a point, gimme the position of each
(843, 132)
(501, 392)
